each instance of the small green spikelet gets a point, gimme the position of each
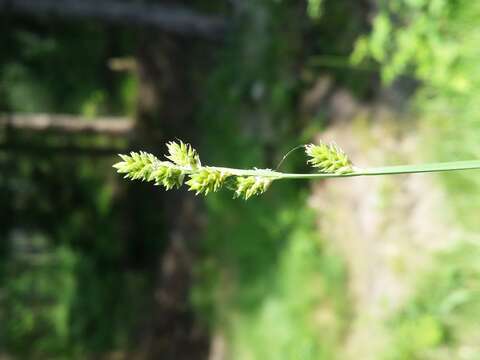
(247, 186)
(146, 167)
(183, 154)
(206, 181)
(168, 175)
(328, 158)
(136, 166)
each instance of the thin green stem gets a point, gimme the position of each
(232, 171)
(387, 170)
(254, 172)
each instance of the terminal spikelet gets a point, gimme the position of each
(328, 158)
(146, 167)
(137, 165)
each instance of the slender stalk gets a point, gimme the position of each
(394, 170)
(375, 171)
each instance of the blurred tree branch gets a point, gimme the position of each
(68, 124)
(173, 19)
(66, 151)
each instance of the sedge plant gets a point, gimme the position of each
(183, 166)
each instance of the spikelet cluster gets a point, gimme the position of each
(248, 186)
(206, 181)
(183, 154)
(328, 158)
(146, 167)
(184, 161)
(136, 165)
(167, 175)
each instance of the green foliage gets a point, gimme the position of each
(330, 41)
(92, 106)
(65, 257)
(128, 94)
(273, 288)
(40, 290)
(437, 42)
(314, 9)
(439, 322)
(433, 40)
(62, 67)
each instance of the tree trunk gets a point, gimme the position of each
(165, 112)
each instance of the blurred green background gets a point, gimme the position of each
(94, 267)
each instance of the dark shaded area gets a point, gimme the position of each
(175, 19)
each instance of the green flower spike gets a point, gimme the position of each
(251, 185)
(167, 174)
(328, 158)
(183, 154)
(206, 181)
(136, 166)
(146, 167)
